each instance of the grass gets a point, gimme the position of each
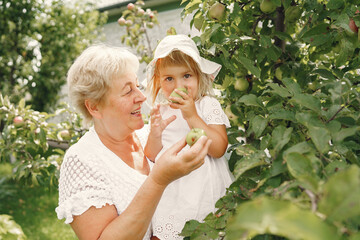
(34, 210)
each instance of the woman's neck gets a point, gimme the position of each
(128, 148)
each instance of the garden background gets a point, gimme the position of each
(289, 84)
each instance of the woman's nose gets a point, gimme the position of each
(140, 97)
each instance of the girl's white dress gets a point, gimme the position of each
(193, 196)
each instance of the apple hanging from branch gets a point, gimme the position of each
(18, 121)
(194, 135)
(217, 11)
(267, 6)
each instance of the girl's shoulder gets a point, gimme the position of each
(208, 101)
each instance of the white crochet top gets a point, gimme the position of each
(92, 175)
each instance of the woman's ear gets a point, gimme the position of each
(93, 108)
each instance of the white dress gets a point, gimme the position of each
(193, 196)
(92, 175)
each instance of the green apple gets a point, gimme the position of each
(241, 84)
(266, 6)
(312, 86)
(278, 73)
(217, 11)
(64, 134)
(194, 135)
(232, 117)
(18, 121)
(175, 94)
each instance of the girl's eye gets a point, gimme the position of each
(187, 75)
(169, 79)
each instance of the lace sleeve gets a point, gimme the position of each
(213, 113)
(80, 187)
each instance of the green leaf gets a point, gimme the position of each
(249, 162)
(251, 100)
(281, 136)
(335, 4)
(301, 148)
(283, 114)
(258, 124)
(341, 194)
(277, 89)
(189, 228)
(308, 101)
(292, 86)
(277, 217)
(317, 30)
(320, 137)
(344, 133)
(249, 65)
(324, 73)
(300, 167)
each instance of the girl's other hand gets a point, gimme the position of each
(157, 124)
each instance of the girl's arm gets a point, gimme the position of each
(104, 223)
(157, 125)
(217, 133)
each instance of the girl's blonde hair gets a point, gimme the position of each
(91, 75)
(179, 58)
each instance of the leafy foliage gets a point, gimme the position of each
(39, 42)
(34, 145)
(9, 229)
(295, 136)
(137, 22)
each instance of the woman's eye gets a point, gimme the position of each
(187, 75)
(128, 91)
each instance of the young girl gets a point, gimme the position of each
(178, 64)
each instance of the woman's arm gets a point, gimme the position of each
(104, 223)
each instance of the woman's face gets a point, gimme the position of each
(175, 76)
(121, 108)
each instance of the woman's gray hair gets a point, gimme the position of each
(92, 73)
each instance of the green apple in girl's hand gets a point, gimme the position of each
(174, 94)
(194, 135)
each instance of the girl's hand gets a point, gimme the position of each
(157, 124)
(186, 104)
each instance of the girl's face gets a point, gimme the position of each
(175, 76)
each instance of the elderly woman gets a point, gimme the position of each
(106, 188)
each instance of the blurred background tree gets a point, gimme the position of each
(39, 40)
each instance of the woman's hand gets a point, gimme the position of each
(171, 165)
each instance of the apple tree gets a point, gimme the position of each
(290, 86)
(138, 22)
(39, 40)
(33, 144)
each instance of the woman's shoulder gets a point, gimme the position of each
(86, 146)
